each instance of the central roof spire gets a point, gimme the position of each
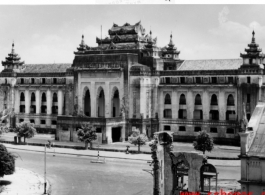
(253, 36)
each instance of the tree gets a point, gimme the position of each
(138, 139)
(87, 134)
(7, 162)
(26, 130)
(204, 142)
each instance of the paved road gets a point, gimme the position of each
(70, 174)
(218, 151)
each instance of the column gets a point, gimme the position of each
(190, 101)
(49, 101)
(38, 100)
(142, 97)
(109, 134)
(206, 104)
(93, 96)
(221, 103)
(174, 104)
(17, 101)
(107, 100)
(27, 101)
(60, 102)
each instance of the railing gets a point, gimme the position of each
(202, 122)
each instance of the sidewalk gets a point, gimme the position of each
(23, 182)
(219, 152)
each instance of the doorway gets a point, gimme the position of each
(116, 134)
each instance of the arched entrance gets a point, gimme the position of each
(87, 104)
(116, 104)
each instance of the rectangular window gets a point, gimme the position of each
(213, 130)
(167, 80)
(21, 120)
(198, 79)
(167, 113)
(230, 131)
(32, 81)
(230, 79)
(32, 121)
(182, 80)
(214, 80)
(43, 80)
(54, 80)
(167, 128)
(22, 81)
(182, 114)
(182, 128)
(197, 129)
(43, 122)
(98, 130)
(248, 98)
(54, 122)
(248, 80)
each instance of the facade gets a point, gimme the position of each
(127, 82)
(253, 153)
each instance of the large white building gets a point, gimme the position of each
(128, 81)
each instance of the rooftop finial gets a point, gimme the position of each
(82, 36)
(13, 44)
(253, 36)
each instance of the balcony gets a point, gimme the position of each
(202, 122)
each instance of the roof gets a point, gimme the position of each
(257, 147)
(217, 64)
(45, 68)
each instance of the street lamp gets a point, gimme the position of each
(45, 180)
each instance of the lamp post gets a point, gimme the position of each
(45, 179)
(45, 183)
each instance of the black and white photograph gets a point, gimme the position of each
(132, 97)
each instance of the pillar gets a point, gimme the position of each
(174, 103)
(17, 101)
(109, 134)
(107, 100)
(93, 97)
(60, 102)
(38, 100)
(143, 97)
(49, 101)
(206, 99)
(27, 101)
(221, 103)
(190, 101)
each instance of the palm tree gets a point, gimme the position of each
(87, 134)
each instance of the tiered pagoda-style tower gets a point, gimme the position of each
(12, 61)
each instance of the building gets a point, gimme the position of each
(253, 153)
(128, 82)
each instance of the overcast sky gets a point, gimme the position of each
(48, 34)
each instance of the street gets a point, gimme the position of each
(73, 174)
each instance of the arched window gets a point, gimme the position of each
(22, 97)
(116, 104)
(182, 99)
(198, 100)
(87, 106)
(43, 97)
(167, 99)
(33, 98)
(54, 97)
(230, 100)
(32, 101)
(101, 104)
(214, 100)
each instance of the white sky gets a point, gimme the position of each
(51, 33)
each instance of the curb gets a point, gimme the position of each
(104, 149)
(90, 155)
